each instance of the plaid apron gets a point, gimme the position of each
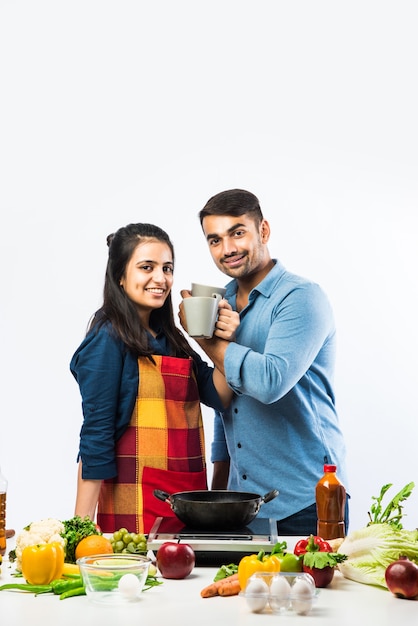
(162, 448)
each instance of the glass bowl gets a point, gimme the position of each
(114, 578)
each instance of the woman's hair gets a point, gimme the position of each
(120, 311)
(233, 202)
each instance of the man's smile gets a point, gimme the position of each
(234, 259)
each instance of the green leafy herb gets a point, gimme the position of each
(225, 571)
(12, 555)
(151, 581)
(392, 513)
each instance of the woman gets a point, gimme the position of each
(141, 386)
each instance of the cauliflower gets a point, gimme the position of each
(45, 531)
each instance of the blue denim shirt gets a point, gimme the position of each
(282, 425)
(108, 378)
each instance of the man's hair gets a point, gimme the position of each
(233, 202)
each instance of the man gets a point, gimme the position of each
(282, 426)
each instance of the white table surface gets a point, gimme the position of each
(178, 602)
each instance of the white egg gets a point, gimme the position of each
(256, 594)
(279, 593)
(129, 586)
(302, 594)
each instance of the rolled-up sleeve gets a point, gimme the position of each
(266, 368)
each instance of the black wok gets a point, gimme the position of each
(217, 509)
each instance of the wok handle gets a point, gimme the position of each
(270, 495)
(162, 495)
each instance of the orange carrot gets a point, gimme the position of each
(230, 588)
(214, 588)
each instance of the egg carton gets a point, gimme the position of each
(280, 592)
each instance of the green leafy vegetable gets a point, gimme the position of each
(12, 556)
(225, 571)
(392, 514)
(371, 549)
(75, 529)
(279, 548)
(323, 559)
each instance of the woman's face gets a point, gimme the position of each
(148, 275)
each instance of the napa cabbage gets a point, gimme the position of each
(371, 549)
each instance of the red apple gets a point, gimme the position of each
(175, 560)
(402, 578)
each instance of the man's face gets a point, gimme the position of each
(237, 244)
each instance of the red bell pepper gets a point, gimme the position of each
(312, 544)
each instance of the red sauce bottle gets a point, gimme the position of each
(3, 490)
(330, 504)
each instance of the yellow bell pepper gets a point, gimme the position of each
(253, 563)
(42, 563)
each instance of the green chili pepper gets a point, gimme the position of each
(29, 588)
(77, 591)
(60, 586)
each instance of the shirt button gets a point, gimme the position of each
(244, 477)
(238, 445)
(235, 410)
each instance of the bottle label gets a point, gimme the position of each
(2, 523)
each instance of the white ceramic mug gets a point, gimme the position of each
(201, 313)
(207, 290)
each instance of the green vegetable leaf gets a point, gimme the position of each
(323, 559)
(392, 513)
(225, 571)
(151, 581)
(279, 548)
(12, 555)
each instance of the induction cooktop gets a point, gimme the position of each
(216, 548)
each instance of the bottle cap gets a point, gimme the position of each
(330, 468)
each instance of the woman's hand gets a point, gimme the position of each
(185, 293)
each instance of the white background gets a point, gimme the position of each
(120, 111)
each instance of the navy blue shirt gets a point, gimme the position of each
(108, 377)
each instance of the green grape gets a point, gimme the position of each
(131, 547)
(138, 538)
(118, 546)
(125, 542)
